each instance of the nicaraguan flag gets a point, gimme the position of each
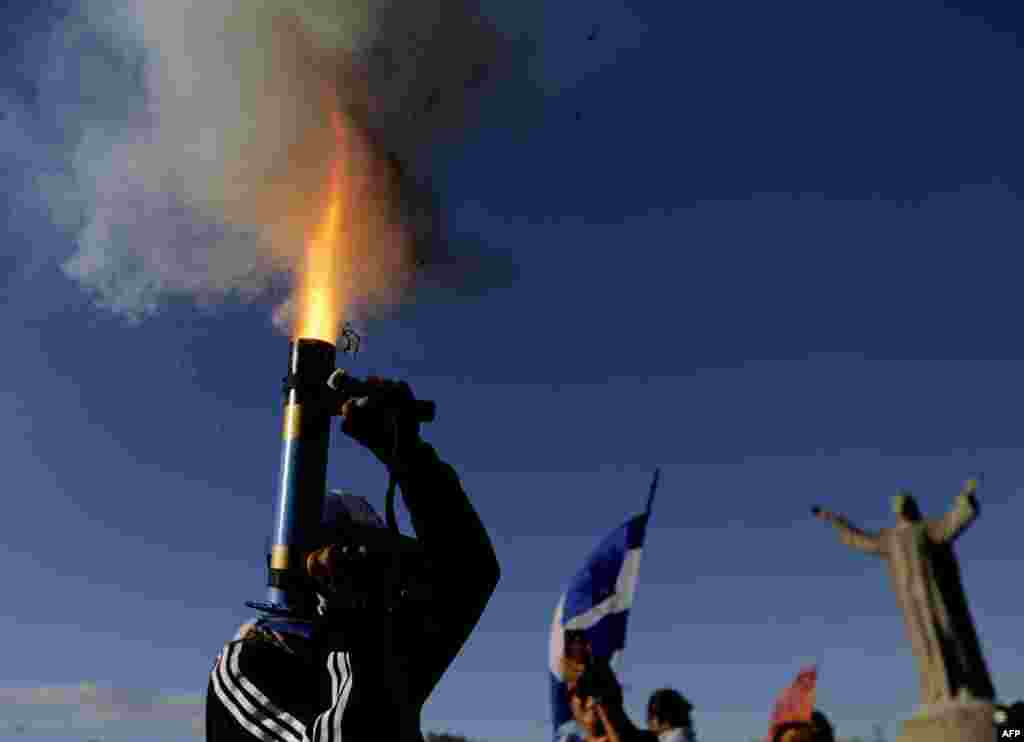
(597, 602)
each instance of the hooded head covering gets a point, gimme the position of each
(343, 508)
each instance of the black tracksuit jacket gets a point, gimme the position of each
(368, 681)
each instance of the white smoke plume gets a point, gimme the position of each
(199, 137)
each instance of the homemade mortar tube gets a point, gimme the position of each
(302, 483)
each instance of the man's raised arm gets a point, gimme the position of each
(465, 566)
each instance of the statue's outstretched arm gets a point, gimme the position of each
(849, 534)
(964, 511)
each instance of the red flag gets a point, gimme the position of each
(796, 703)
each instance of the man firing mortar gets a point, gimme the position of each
(370, 646)
(926, 579)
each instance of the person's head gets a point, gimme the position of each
(576, 652)
(577, 647)
(905, 507)
(823, 731)
(794, 731)
(597, 685)
(667, 709)
(343, 510)
(370, 564)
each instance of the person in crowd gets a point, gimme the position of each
(668, 716)
(596, 701)
(794, 731)
(823, 729)
(361, 661)
(818, 729)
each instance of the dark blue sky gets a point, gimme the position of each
(772, 248)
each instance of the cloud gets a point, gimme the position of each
(88, 706)
(186, 146)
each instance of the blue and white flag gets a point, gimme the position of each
(597, 602)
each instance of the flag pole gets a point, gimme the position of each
(621, 670)
(654, 488)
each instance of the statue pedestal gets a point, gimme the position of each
(956, 722)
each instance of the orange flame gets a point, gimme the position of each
(318, 299)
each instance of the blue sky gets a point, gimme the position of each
(773, 249)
